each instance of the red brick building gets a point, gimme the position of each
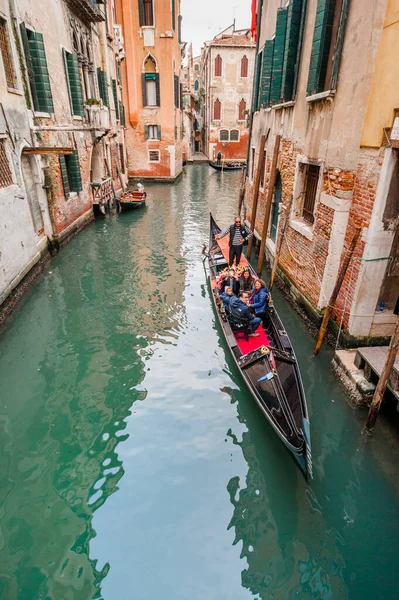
(336, 159)
(227, 74)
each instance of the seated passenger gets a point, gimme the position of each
(258, 297)
(240, 312)
(227, 296)
(231, 281)
(246, 281)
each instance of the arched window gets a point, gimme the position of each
(150, 83)
(218, 66)
(244, 66)
(234, 135)
(224, 135)
(196, 67)
(217, 110)
(242, 107)
(196, 85)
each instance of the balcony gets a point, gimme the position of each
(87, 10)
(98, 119)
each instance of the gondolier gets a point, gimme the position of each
(239, 234)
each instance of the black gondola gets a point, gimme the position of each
(226, 166)
(267, 363)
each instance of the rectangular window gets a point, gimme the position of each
(252, 163)
(310, 191)
(122, 114)
(115, 95)
(173, 9)
(73, 83)
(153, 156)
(151, 91)
(263, 173)
(176, 90)
(152, 132)
(278, 56)
(36, 63)
(122, 157)
(234, 135)
(327, 45)
(5, 171)
(103, 86)
(6, 54)
(146, 13)
(70, 173)
(224, 135)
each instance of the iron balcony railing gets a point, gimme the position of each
(87, 10)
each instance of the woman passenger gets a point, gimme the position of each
(258, 297)
(247, 282)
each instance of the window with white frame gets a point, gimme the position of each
(234, 135)
(153, 156)
(153, 132)
(307, 186)
(224, 135)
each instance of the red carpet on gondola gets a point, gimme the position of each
(253, 342)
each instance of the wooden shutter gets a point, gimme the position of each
(291, 49)
(257, 80)
(244, 66)
(266, 78)
(217, 110)
(159, 131)
(122, 114)
(42, 97)
(32, 83)
(320, 46)
(74, 84)
(102, 85)
(143, 89)
(181, 96)
(141, 13)
(241, 109)
(179, 26)
(73, 167)
(339, 44)
(218, 66)
(146, 132)
(300, 44)
(115, 94)
(278, 56)
(64, 175)
(176, 90)
(158, 90)
(173, 15)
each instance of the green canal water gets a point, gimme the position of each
(133, 462)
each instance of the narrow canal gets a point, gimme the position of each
(135, 465)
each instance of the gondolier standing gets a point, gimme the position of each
(239, 234)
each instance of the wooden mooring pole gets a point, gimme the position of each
(280, 238)
(383, 380)
(242, 190)
(335, 292)
(261, 166)
(270, 190)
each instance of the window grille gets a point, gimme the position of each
(153, 155)
(224, 135)
(6, 55)
(310, 190)
(5, 171)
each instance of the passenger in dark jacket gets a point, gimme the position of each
(227, 297)
(231, 281)
(246, 281)
(241, 313)
(258, 297)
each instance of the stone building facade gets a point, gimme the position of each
(336, 159)
(61, 125)
(192, 98)
(227, 71)
(151, 87)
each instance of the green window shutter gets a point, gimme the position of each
(74, 84)
(141, 13)
(179, 26)
(158, 89)
(102, 85)
(257, 79)
(173, 15)
(143, 89)
(159, 132)
(32, 83)
(339, 44)
(291, 49)
(146, 131)
(64, 175)
(278, 56)
(43, 96)
(320, 46)
(64, 56)
(266, 78)
(73, 168)
(122, 114)
(176, 90)
(115, 94)
(300, 44)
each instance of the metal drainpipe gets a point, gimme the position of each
(256, 58)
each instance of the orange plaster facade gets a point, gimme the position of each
(153, 48)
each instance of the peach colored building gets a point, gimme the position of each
(151, 87)
(227, 73)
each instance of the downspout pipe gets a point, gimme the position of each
(258, 26)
